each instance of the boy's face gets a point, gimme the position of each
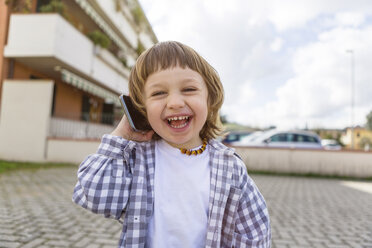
(176, 105)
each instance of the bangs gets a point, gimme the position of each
(167, 55)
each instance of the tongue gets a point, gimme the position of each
(178, 122)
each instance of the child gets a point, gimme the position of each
(175, 186)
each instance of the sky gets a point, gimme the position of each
(286, 63)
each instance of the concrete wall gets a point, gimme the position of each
(24, 119)
(69, 150)
(327, 163)
(331, 163)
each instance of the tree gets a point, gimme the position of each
(224, 119)
(369, 121)
(365, 143)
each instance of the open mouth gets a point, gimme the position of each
(178, 121)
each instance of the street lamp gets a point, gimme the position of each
(352, 95)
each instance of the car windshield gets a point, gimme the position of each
(252, 137)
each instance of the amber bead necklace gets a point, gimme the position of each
(194, 152)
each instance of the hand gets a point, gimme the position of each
(125, 130)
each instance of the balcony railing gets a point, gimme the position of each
(80, 129)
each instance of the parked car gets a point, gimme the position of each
(282, 139)
(234, 136)
(247, 139)
(330, 144)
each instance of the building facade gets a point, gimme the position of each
(362, 138)
(63, 64)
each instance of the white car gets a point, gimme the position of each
(282, 139)
(247, 139)
(234, 136)
(330, 144)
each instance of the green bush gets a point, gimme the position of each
(140, 48)
(124, 62)
(54, 6)
(20, 6)
(99, 39)
(138, 15)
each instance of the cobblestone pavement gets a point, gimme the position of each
(36, 211)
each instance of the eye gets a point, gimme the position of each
(189, 89)
(158, 93)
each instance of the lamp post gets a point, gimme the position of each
(352, 95)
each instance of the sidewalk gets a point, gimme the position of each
(36, 211)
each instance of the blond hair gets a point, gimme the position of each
(170, 54)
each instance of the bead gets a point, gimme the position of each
(194, 152)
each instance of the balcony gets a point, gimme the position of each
(73, 129)
(120, 22)
(146, 40)
(45, 41)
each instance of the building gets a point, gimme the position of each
(362, 138)
(63, 64)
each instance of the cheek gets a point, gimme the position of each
(206, 103)
(203, 109)
(153, 114)
(205, 113)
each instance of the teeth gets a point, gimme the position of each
(178, 118)
(179, 126)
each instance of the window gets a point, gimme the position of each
(108, 114)
(282, 137)
(305, 138)
(232, 137)
(290, 137)
(85, 108)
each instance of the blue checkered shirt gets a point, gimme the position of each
(118, 182)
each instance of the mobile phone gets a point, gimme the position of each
(136, 119)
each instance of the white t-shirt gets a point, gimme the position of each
(181, 200)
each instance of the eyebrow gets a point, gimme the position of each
(154, 85)
(190, 80)
(186, 80)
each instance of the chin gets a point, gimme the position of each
(178, 141)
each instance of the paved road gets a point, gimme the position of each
(36, 211)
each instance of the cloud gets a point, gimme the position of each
(281, 62)
(321, 87)
(288, 14)
(276, 45)
(350, 19)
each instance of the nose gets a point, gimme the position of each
(175, 101)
